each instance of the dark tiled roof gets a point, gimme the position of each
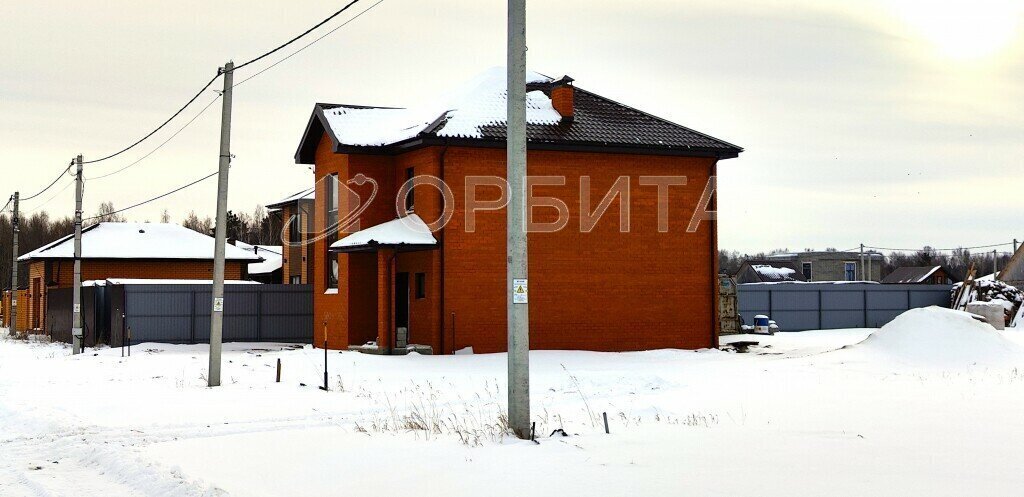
(600, 121)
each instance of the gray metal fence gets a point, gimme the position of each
(173, 313)
(818, 306)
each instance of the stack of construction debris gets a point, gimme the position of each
(988, 289)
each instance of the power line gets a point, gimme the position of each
(325, 35)
(55, 180)
(158, 128)
(158, 147)
(995, 245)
(304, 33)
(47, 201)
(9, 200)
(158, 197)
(210, 83)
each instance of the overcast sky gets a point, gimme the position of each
(889, 122)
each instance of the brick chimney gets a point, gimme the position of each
(562, 98)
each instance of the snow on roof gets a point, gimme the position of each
(408, 230)
(129, 281)
(271, 254)
(772, 272)
(460, 114)
(911, 274)
(138, 241)
(306, 194)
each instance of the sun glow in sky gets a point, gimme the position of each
(964, 29)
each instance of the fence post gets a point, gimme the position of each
(259, 312)
(192, 315)
(821, 324)
(865, 305)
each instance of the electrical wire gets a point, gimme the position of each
(995, 245)
(161, 126)
(158, 147)
(158, 197)
(7, 204)
(297, 38)
(220, 72)
(325, 35)
(47, 201)
(55, 180)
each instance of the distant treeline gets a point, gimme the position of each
(958, 261)
(38, 229)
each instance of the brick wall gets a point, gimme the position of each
(602, 290)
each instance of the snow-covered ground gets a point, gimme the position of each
(930, 405)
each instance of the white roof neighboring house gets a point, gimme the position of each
(271, 254)
(138, 241)
(460, 114)
(772, 273)
(408, 230)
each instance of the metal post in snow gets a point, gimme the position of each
(517, 275)
(220, 234)
(14, 268)
(76, 297)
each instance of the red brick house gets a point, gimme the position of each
(596, 289)
(296, 213)
(123, 250)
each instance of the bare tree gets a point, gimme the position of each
(165, 216)
(107, 213)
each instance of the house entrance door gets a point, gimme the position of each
(401, 309)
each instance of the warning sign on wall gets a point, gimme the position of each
(520, 291)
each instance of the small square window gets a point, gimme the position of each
(421, 285)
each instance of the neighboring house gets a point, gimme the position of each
(1013, 273)
(270, 270)
(597, 290)
(835, 265)
(124, 250)
(296, 213)
(921, 275)
(768, 272)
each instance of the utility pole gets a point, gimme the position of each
(76, 295)
(220, 231)
(1014, 244)
(14, 269)
(517, 284)
(995, 263)
(862, 278)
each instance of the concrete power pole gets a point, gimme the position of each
(76, 294)
(862, 269)
(518, 288)
(14, 268)
(1015, 245)
(217, 314)
(995, 263)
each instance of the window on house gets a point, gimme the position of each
(409, 199)
(294, 226)
(421, 285)
(807, 270)
(851, 271)
(296, 280)
(332, 205)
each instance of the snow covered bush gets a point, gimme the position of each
(988, 290)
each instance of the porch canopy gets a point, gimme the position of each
(405, 234)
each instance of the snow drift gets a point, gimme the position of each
(935, 337)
